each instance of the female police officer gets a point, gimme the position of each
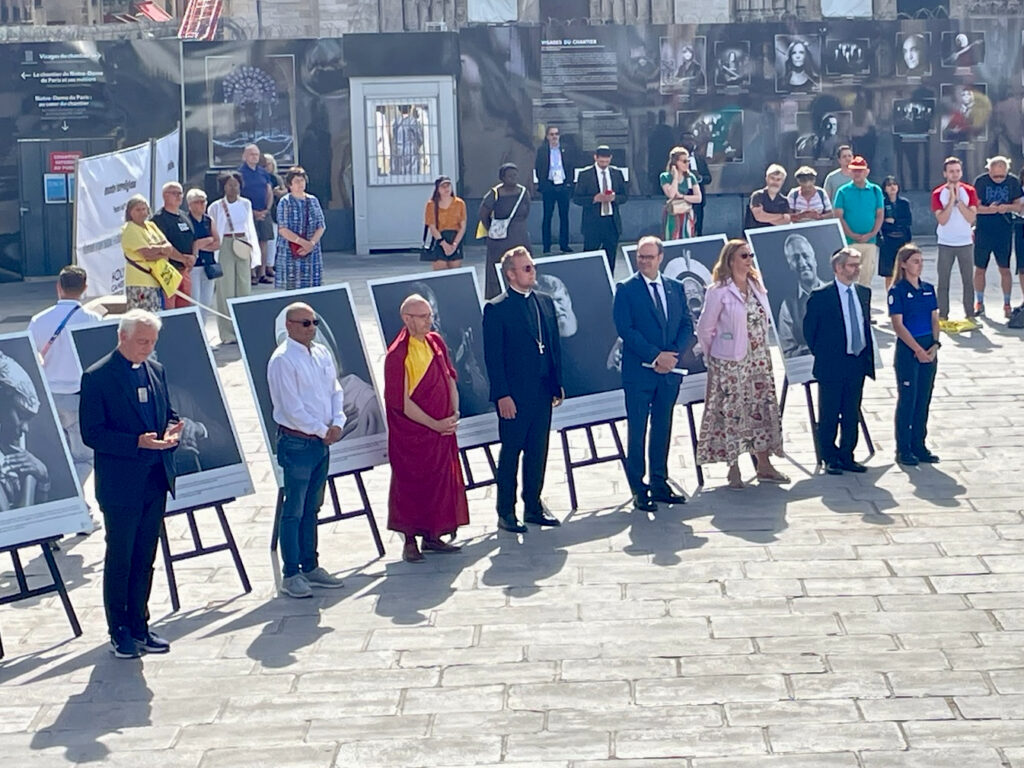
(915, 319)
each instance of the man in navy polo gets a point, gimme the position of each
(258, 187)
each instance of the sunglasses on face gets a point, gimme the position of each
(745, 255)
(527, 267)
(306, 323)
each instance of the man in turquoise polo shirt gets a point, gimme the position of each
(859, 206)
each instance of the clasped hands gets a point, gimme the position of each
(172, 435)
(927, 356)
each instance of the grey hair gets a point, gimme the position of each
(413, 298)
(840, 257)
(133, 202)
(998, 159)
(195, 194)
(652, 239)
(171, 185)
(133, 318)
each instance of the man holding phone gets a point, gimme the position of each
(600, 190)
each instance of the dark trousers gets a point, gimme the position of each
(526, 434)
(305, 462)
(655, 402)
(132, 533)
(839, 411)
(914, 383)
(556, 195)
(698, 220)
(602, 233)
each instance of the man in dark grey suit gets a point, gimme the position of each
(600, 190)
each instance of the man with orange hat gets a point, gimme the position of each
(860, 207)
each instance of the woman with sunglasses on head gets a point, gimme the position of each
(741, 411)
(445, 221)
(681, 187)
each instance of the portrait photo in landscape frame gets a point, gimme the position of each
(32, 508)
(690, 262)
(454, 298)
(581, 288)
(209, 461)
(260, 324)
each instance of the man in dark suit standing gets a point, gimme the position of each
(524, 363)
(601, 189)
(654, 323)
(127, 419)
(838, 334)
(553, 169)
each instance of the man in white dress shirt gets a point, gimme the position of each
(309, 410)
(51, 331)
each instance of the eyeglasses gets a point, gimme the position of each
(527, 268)
(307, 322)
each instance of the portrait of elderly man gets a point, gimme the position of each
(24, 479)
(428, 494)
(556, 289)
(804, 266)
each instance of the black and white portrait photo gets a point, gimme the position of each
(690, 262)
(913, 117)
(806, 250)
(820, 139)
(39, 492)
(260, 321)
(717, 135)
(963, 50)
(913, 54)
(965, 112)
(732, 63)
(847, 57)
(684, 65)
(208, 460)
(797, 67)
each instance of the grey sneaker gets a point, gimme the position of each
(318, 577)
(296, 586)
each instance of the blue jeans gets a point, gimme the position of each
(304, 461)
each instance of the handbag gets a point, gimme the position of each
(679, 206)
(239, 247)
(499, 227)
(296, 247)
(213, 270)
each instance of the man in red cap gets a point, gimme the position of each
(859, 206)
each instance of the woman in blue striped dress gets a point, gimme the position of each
(299, 260)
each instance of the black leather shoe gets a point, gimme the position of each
(566, 250)
(853, 466)
(542, 517)
(833, 468)
(926, 457)
(667, 496)
(511, 524)
(644, 504)
(907, 459)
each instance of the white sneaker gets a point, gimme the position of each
(318, 577)
(296, 586)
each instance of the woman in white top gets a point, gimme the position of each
(239, 246)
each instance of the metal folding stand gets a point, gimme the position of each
(471, 480)
(809, 397)
(366, 510)
(198, 548)
(593, 456)
(693, 440)
(57, 585)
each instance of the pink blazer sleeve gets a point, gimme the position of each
(708, 322)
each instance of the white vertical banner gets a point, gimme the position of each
(103, 184)
(166, 164)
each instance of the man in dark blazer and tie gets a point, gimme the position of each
(654, 323)
(524, 364)
(127, 419)
(553, 169)
(601, 189)
(838, 332)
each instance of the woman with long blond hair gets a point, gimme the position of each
(741, 411)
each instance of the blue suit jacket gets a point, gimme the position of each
(644, 330)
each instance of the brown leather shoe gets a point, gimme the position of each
(411, 553)
(436, 545)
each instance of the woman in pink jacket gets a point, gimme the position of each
(741, 411)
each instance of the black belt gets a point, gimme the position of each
(297, 433)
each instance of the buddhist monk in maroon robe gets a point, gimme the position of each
(428, 495)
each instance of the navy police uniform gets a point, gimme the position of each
(914, 379)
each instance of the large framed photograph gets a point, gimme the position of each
(913, 118)
(732, 64)
(209, 461)
(690, 262)
(260, 322)
(717, 134)
(455, 301)
(580, 286)
(913, 54)
(963, 50)
(39, 492)
(848, 56)
(965, 112)
(795, 259)
(820, 138)
(684, 65)
(797, 64)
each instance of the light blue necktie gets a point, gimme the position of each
(856, 332)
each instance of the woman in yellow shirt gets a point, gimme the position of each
(144, 245)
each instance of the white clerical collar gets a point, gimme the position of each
(524, 294)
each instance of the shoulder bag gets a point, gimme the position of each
(239, 247)
(499, 227)
(296, 247)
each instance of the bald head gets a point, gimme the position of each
(414, 303)
(417, 315)
(294, 310)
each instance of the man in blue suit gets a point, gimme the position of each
(127, 419)
(654, 322)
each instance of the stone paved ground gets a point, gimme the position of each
(872, 621)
